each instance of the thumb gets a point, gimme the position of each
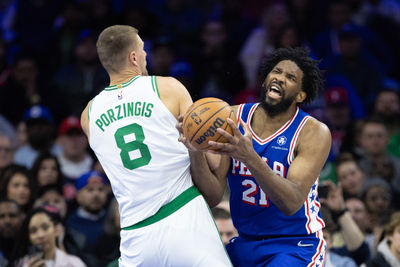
(245, 127)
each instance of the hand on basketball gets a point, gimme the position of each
(182, 137)
(239, 145)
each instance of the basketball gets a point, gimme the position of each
(203, 118)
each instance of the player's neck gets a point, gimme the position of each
(123, 77)
(265, 125)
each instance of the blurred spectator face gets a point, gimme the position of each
(92, 197)
(351, 177)
(226, 229)
(55, 199)
(48, 173)
(339, 14)
(377, 200)
(85, 51)
(275, 16)
(374, 138)
(289, 38)
(40, 134)
(6, 151)
(394, 239)
(358, 212)
(74, 144)
(337, 107)
(162, 58)
(388, 103)
(18, 189)
(42, 231)
(214, 35)
(10, 219)
(25, 71)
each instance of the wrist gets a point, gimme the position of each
(336, 215)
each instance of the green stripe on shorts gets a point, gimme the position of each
(168, 209)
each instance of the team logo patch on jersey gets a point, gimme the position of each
(281, 140)
(120, 96)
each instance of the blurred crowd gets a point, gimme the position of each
(49, 70)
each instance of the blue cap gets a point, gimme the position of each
(38, 112)
(90, 178)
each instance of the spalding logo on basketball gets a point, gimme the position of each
(202, 120)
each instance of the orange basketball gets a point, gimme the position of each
(202, 119)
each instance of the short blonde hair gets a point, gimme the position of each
(114, 44)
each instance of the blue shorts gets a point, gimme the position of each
(293, 251)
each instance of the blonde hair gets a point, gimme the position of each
(114, 44)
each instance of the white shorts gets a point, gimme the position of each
(187, 237)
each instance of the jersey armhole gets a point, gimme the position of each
(90, 109)
(154, 85)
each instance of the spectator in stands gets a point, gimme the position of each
(6, 151)
(84, 78)
(162, 56)
(261, 40)
(224, 224)
(46, 170)
(359, 67)
(388, 254)
(375, 160)
(387, 108)
(17, 185)
(75, 159)
(51, 194)
(11, 218)
(377, 196)
(360, 216)
(39, 229)
(216, 72)
(338, 117)
(107, 246)
(40, 130)
(354, 244)
(333, 259)
(89, 218)
(350, 175)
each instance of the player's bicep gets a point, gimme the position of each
(313, 149)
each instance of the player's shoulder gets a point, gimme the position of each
(167, 81)
(316, 130)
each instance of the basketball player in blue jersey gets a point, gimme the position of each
(272, 161)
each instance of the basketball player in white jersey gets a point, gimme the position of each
(131, 128)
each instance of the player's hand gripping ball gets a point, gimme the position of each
(202, 119)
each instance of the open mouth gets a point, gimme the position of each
(275, 91)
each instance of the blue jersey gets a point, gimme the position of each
(253, 214)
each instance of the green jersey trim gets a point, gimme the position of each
(154, 85)
(168, 209)
(90, 109)
(121, 85)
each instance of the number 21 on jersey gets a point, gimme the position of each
(248, 195)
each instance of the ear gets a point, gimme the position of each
(133, 58)
(301, 96)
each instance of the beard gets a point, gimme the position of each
(273, 109)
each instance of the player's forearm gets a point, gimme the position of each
(282, 192)
(206, 181)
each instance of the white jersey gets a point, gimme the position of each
(134, 137)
